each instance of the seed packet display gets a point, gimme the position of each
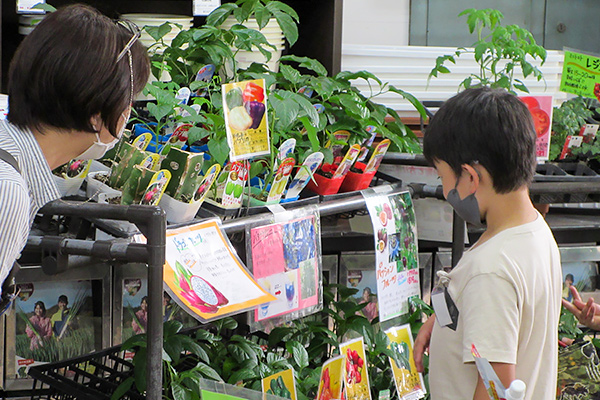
(246, 119)
(409, 382)
(331, 384)
(285, 258)
(282, 384)
(356, 377)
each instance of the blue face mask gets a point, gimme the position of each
(467, 208)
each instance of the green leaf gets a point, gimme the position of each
(139, 372)
(135, 341)
(44, 6)
(366, 75)
(287, 25)
(171, 328)
(291, 74)
(158, 32)
(219, 149)
(354, 107)
(312, 133)
(190, 345)
(308, 63)
(122, 389)
(220, 14)
(179, 392)
(278, 5)
(243, 375)
(411, 99)
(262, 15)
(207, 371)
(298, 352)
(277, 335)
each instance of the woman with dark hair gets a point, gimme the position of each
(40, 328)
(140, 322)
(71, 85)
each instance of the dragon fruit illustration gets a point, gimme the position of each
(198, 292)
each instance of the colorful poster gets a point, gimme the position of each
(246, 119)
(356, 378)
(282, 384)
(285, 263)
(409, 382)
(397, 269)
(135, 308)
(54, 321)
(540, 108)
(332, 379)
(204, 275)
(361, 275)
(581, 74)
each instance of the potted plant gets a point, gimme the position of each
(499, 50)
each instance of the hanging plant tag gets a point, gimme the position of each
(306, 170)
(281, 179)
(347, 162)
(377, 156)
(236, 180)
(205, 185)
(156, 188)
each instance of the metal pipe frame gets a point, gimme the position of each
(151, 221)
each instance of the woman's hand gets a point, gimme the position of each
(422, 342)
(587, 314)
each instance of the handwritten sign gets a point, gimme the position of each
(245, 105)
(397, 270)
(581, 74)
(204, 275)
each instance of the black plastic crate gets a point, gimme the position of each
(91, 377)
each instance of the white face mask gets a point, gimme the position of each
(98, 149)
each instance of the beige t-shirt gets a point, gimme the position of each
(508, 292)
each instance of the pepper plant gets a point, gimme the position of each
(499, 51)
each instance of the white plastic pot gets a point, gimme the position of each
(99, 191)
(67, 186)
(178, 211)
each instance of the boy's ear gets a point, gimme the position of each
(473, 177)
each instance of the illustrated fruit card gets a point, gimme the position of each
(409, 382)
(246, 119)
(356, 378)
(332, 379)
(156, 188)
(204, 275)
(282, 384)
(540, 108)
(284, 260)
(207, 181)
(396, 252)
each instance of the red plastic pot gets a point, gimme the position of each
(324, 185)
(354, 181)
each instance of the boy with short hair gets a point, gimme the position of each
(507, 286)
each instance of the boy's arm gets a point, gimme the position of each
(506, 373)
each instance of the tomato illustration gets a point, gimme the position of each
(541, 121)
(530, 102)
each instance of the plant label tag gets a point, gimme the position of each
(177, 139)
(589, 131)
(281, 178)
(142, 141)
(377, 156)
(205, 7)
(446, 312)
(236, 180)
(285, 150)
(209, 178)
(305, 172)
(347, 162)
(571, 143)
(156, 188)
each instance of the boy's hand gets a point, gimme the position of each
(422, 342)
(586, 313)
